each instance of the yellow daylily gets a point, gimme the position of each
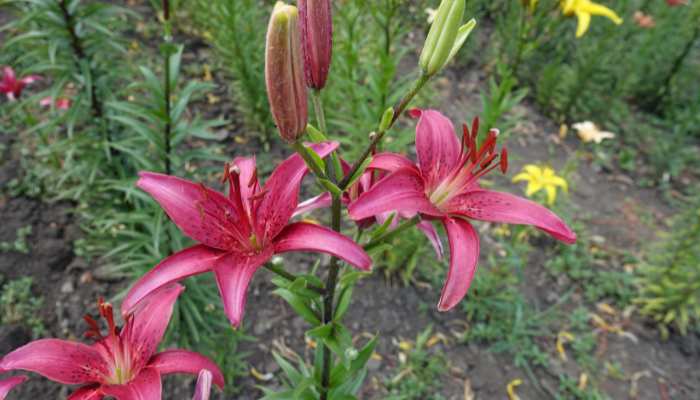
(510, 389)
(589, 132)
(541, 178)
(583, 9)
(530, 4)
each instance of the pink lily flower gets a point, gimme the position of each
(8, 384)
(241, 232)
(61, 103)
(122, 364)
(11, 86)
(444, 185)
(202, 390)
(374, 172)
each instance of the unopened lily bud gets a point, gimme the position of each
(316, 26)
(284, 73)
(443, 35)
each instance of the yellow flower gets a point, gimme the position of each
(541, 178)
(583, 9)
(589, 132)
(530, 4)
(511, 389)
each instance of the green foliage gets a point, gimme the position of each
(500, 98)
(419, 375)
(669, 278)
(20, 244)
(235, 28)
(586, 264)
(365, 79)
(20, 306)
(399, 258)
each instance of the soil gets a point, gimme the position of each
(608, 202)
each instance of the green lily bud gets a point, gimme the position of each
(284, 73)
(443, 34)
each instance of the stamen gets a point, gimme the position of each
(254, 178)
(504, 160)
(227, 174)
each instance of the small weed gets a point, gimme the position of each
(419, 373)
(20, 306)
(20, 244)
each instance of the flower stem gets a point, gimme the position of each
(291, 277)
(398, 110)
(336, 174)
(328, 300)
(167, 38)
(393, 233)
(308, 158)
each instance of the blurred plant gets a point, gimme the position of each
(583, 10)
(419, 370)
(20, 306)
(541, 178)
(669, 280)
(20, 244)
(499, 99)
(233, 27)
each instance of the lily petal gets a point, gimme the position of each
(90, 392)
(584, 21)
(486, 205)
(464, 255)
(151, 317)
(146, 386)
(193, 260)
(402, 191)
(58, 360)
(8, 384)
(186, 362)
(429, 231)
(201, 213)
(437, 146)
(233, 275)
(203, 387)
(246, 174)
(303, 236)
(390, 162)
(282, 192)
(321, 201)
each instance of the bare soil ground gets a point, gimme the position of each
(609, 203)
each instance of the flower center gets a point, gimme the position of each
(473, 163)
(115, 348)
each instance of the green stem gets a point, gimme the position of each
(291, 277)
(337, 172)
(328, 300)
(398, 110)
(304, 153)
(393, 233)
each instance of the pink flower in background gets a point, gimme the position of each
(241, 232)
(202, 389)
(674, 3)
(378, 168)
(444, 185)
(122, 364)
(11, 86)
(9, 383)
(644, 20)
(60, 103)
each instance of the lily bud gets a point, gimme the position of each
(284, 73)
(316, 26)
(445, 36)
